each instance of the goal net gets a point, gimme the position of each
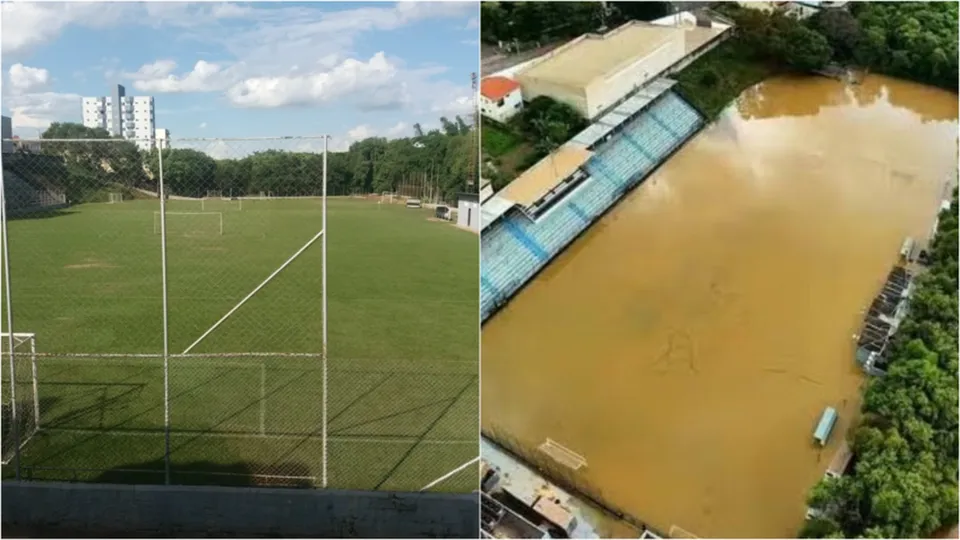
(191, 223)
(115, 198)
(21, 408)
(217, 203)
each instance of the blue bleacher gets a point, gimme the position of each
(515, 248)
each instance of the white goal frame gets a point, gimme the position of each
(159, 223)
(321, 235)
(9, 342)
(115, 198)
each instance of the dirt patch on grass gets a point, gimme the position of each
(89, 264)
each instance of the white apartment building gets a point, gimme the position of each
(130, 117)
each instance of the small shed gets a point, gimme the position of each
(827, 420)
(468, 211)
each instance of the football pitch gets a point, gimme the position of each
(403, 332)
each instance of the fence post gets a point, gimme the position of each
(324, 293)
(13, 369)
(166, 337)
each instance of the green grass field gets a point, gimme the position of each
(403, 341)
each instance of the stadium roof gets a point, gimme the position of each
(538, 180)
(593, 56)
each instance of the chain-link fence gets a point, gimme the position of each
(166, 318)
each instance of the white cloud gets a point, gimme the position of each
(28, 79)
(39, 110)
(203, 125)
(159, 77)
(399, 130)
(472, 24)
(362, 81)
(361, 132)
(29, 24)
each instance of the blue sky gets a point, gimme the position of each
(216, 69)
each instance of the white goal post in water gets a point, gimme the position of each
(158, 223)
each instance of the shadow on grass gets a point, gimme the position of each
(41, 213)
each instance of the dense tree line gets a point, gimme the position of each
(544, 22)
(904, 480)
(911, 40)
(371, 165)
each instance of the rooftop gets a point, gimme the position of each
(538, 180)
(594, 56)
(496, 88)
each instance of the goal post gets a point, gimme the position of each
(21, 403)
(115, 198)
(214, 217)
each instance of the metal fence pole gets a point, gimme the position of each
(13, 369)
(166, 337)
(324, 293)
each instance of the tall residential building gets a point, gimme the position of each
(130, 117)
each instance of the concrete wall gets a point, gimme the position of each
(602, 93)
(533, 87)
(50, 508)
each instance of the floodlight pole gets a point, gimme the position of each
(166, 327)
(13, 368)
(323, 250)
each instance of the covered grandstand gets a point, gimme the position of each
(528, 223)
(30, 182)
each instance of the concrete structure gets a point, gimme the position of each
(162, 138)
(468, 211)
(53, 509)
(500, 98)
(130, 117)
(528, 223)
(6, 133)
(803, 10)
(593, 72)
(886, 312)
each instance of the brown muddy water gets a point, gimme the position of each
(687, 344)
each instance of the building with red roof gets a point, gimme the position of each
(500, 98)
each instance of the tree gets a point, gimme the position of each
(805, 49)
(186, 172)
(842, 31)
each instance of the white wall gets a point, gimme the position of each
(512, 104)
(468, 214)
(603, 93)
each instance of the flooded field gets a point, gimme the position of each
(686, 345)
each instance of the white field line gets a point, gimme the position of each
(451, 473)
(254, 291)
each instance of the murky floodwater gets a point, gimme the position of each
(687, 344)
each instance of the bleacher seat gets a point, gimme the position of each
(616, 166)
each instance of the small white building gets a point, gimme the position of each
(468, 211)
(500, 98)
(163, 138)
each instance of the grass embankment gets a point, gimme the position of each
(718, 77)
